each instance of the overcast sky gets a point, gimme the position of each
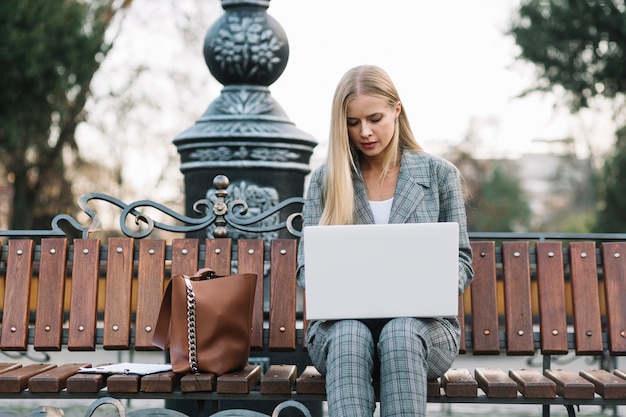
(450, 60)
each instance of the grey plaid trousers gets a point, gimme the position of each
(407, 352)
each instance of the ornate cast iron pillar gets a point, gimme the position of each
(244, 133)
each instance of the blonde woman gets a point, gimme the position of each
(376, 172)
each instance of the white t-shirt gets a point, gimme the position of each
(381, 210)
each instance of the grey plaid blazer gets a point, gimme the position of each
(428, 190)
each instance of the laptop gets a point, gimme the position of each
(381, 271)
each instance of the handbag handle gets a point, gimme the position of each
(161, 336)
(202, 274)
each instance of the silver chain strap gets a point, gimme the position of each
(191, 327)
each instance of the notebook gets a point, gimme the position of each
(381, 271)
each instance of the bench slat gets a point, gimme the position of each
(6, 367)
(459, 383)
(311, 381)
(150, 284)
(17, 295)
(251, 260)
(240, 382)
(217, 255)
(51, 294)
(495, 383)
(586, 300)
(198, 382)
(119, 278)
(184, 256)
(283, 295)
(608, 385)
(84, 298)
(54, 380)
(461, 317)
(484, 299)
(551, 295)
(532, 384)
(614, 269)
(570, 385)
(123, 383)
(16, 380)
(279, 379)
(433, 388)
(160, 382)
(86, 383)
(517, 298)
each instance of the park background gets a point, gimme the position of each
(531, 118)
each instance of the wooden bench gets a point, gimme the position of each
(534, 296)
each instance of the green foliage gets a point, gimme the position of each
(575, 44)
(500, 205)
(611, 217)
(49, 52)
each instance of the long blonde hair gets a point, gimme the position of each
(341, 159)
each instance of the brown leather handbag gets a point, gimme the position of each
(205, 321)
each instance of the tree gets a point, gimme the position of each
(579, 48)
(49, 52)
(501, 204)
(611, 215)
(576, 45)
(495, 199)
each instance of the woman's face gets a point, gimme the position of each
(371, 124)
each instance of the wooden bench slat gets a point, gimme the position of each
(160, 382)
(54, 380)
(586, 300)
(84, 297)
(495, 383)
(484, 300)
(532, 384)
(118, 383)
(608, 385)
(184, 256)
(279, 379)
(119, 277)
(311, 381)
(17, 295)
(240, 382)
(16, 380)
(433, 388)
(614, 271)
(283, 295)
(570, 385)
(86, 383)
(459, 383)
(251, 253)
(551, 297)
(150, 285)
(217, 255)
(6, 367)
(198, 382)
(461, 317)
(517, 298)
(51, 294)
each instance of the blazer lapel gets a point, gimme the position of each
(413, 177)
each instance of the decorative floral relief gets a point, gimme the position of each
(224, 153)
(245, 46)
(244, 102)
(241, 127)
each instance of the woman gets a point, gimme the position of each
(376, 172)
